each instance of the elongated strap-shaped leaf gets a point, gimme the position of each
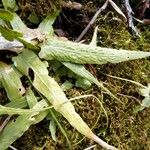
(16, 111)
(9, 34)
(51, 90)
(15, 129)
(46, 25)
(61, 128)
(11, 82)
(117, 9)
(10, 4)
(28, 34)
(66, 51)
(18, 104)
(27, 43)
(25, 35)
(31, 99)
(94, 38)
(6, 15)
(17, 23)
(81, 71)
(14, 46)
(52, 128)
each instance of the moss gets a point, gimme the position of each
(40, 7)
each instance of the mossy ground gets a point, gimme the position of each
(125, 129)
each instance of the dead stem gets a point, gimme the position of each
(91, 22)
(4, 123)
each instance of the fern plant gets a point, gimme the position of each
(34, 49)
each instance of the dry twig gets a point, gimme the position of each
(92, 21)
(129, 14)
(96, 15)
(4, 123)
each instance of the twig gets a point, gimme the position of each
(4, 123)
(103, 144)
(92, 21)
(13, 148)
(131, 97)
(141, 8)
(123, 79)
(129, 14)
(91, 147)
